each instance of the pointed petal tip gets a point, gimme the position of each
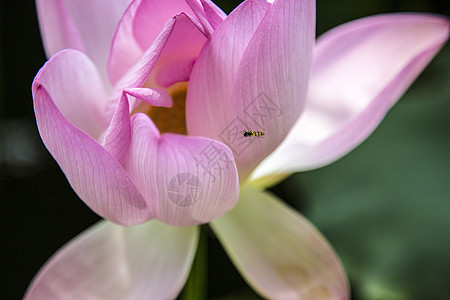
(148, 261)
(279, 252)
(154, 97)
(138, 29)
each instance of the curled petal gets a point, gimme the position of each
(185, 180)
(199, 12)
(95, 175)
(84, 25)
(118, 135)
(279, 253)
(182, 49)
(360, 70)
(253, 75)
(139, 72)
(75, 86)
(213, 13)
(169, 59)
(138, 28)
(154, 14)
(154, 97)
(108, 261)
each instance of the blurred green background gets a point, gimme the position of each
(385, 207)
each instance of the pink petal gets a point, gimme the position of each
(137, 30)
(278, 252)
(182, 49)
(139, 72)
(95, 175)
(154, 97)
(58, 29)
(186, 180)
(84, 25)
(76, 89)
(118, 135)
(360, 70)
(199, 12)
(154, 14)
(174, 50)
(213, 13)
(108, 261)
(253, 76)
(209, 104)
(168, 60)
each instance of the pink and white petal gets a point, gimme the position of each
(260, 84)
(200, 14)
(278, 252)
(154, 97)
(137, 30)
(180, 52)
(118, 135)
(360, 70)
(95, 175)
(136, 76)
(214, 14)
(154, 14)
(76, 88)
(210, 110)
(84, 24)
(175, 49)
(57, 27)
(271, 83)
(97, 22)
(186, 180)
(124, 50)
(108, 261)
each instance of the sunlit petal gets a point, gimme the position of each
(252, 75)
(360, 70)
(279, 253)
(108, 261)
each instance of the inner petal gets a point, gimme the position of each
(169, 119)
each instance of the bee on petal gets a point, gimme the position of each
(249, 133)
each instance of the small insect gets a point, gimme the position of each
(249, 133)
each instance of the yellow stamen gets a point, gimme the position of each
(169, 119)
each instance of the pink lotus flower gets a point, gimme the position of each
(112, 110)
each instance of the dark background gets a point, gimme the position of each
(385, 207)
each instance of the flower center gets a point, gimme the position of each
(169, 119)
